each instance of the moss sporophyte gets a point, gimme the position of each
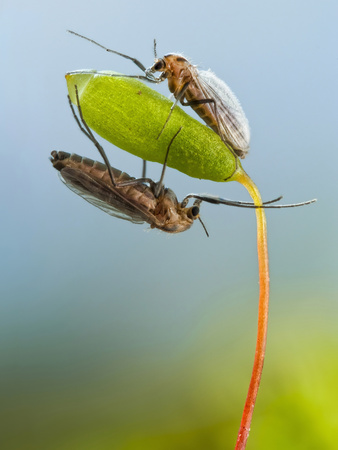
(130, 115)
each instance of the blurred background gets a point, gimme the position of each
(114, 336)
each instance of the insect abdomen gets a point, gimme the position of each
(139, 193)
(87, 165)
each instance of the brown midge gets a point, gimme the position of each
(209, 96)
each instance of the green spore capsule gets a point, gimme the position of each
(130, 115)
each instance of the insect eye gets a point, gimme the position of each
(195, 210)
(159, 65)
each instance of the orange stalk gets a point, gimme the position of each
(263, 307)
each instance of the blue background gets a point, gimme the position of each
(115, 336)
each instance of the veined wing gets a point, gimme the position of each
(105, 197)
(233, 124)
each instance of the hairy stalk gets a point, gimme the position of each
(263, 307)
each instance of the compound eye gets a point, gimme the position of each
(159, 65)
(195, 210)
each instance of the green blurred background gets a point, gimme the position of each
(114, 337)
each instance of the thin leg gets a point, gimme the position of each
(197, 102)
(177, 99)
(223, 201)
(144, 168)
(134, 60)
(148, 76)
(159, 184)
(193, 103)
(216, 200)
(151, 183)
(87, 131)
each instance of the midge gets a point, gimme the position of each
(136, 200)
(210, 97)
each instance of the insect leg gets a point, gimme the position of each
(87, 131)
(223, 201)
(215, 200)
(148, 76)
(202, 102)
(144, 168)
(211, 100)
(159, 184)
(134, 60)
(156, 187)
(197, 102)
(177, 99)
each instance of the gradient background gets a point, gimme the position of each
(116, 337)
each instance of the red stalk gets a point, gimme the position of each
(263, 308)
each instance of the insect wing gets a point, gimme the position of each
(233, 124)
(105, 197)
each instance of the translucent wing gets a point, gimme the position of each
(232, 122)
(105, 197)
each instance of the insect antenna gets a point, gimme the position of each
(204, 227)
(87, 131)
(155, 52)
(197, 203)
(159, 184)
